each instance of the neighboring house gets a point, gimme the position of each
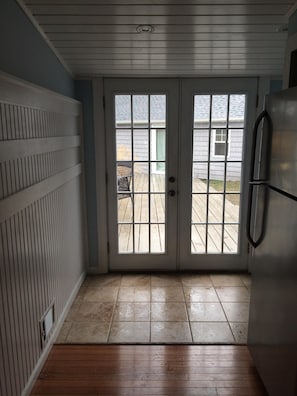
(224, 136)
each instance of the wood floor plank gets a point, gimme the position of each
(158, 202)
(148, 370)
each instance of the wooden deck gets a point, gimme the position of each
(151, 370)
(156, 212)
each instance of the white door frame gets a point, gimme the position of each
(137, 261)
(183, 259)
(190, 87)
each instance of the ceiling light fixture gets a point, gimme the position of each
(144, 29)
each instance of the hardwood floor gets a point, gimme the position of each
(154, 370)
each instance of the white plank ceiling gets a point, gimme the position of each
(189, 38)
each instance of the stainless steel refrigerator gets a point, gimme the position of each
(272, 230)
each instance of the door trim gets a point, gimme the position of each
(250, 87)
(101, 193)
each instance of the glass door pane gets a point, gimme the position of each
(218, 132)
(141, 168)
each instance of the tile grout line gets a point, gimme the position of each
(150, 311)
(79, 304)
(215, 288)
(67, 333)
(113, 312)
(187, 311)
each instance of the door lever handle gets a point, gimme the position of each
(171, 193)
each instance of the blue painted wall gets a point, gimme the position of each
(84, 93)
(25, 54)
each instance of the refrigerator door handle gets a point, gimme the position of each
(262, 116)
(259, 240)
(258, 182)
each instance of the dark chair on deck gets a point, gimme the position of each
(124, 177)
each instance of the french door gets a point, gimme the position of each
(142, 151)
(177, 169)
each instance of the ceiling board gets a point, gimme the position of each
(169, 44)
(288, 3)
(158, 10)
(219, 71)
(162, 19)
(160, 57)
(169, 62)
(191, 37)
(182, 29)
(167, 37)
(251, 51)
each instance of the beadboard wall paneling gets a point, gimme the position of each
(13, 175)
(41, 220)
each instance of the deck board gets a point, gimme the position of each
(157, 213)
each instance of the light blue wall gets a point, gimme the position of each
(25, 54)
(84, 93)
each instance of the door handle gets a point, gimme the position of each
(171, 179)
(171, 193)
(257, 182)
(259, 240)
(262, 116)
(255, 243)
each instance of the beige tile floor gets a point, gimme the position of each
(159, 308)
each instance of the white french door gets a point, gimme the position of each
(142, 151)
(177, 164)
(217, 118)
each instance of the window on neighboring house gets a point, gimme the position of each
(160, 149)
(221, 146)
(158, 145)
